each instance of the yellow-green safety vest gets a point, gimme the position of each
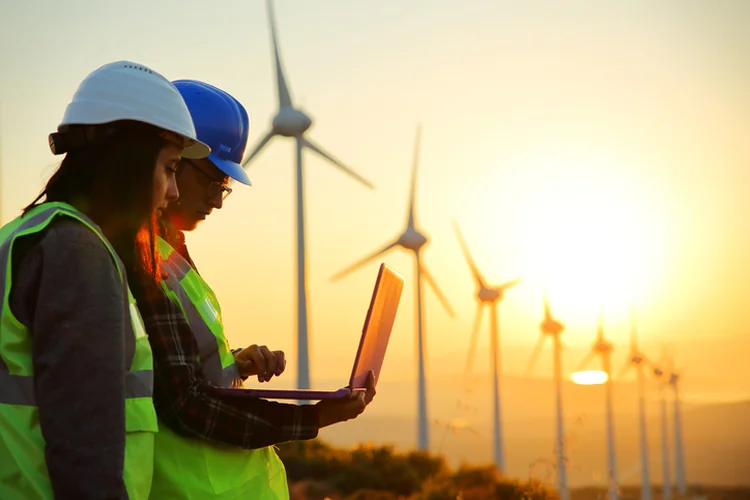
(191, 467)
(23, 470)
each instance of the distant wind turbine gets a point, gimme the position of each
(490, 297)
(659, 373)
(292, 122)
(638, 359)
(413, 240)
(604, 349)
(679, 452)
(550, 327)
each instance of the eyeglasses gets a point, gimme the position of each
(214, 187)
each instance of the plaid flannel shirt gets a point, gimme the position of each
(188, 403)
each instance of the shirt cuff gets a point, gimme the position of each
(308, 422)
(234, 353)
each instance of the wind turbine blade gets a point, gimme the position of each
(671, 368)
(413, 187)
(647, 361)
(307, 143)
(363, 261)
(467, 255)
(474, 339)
(431, 281)
(535, 355)
(509, 284)
(624, 370)
(589, 357)
(285, 100)
(547, 311)
(257, 148)
(633, 330)
(600, 326)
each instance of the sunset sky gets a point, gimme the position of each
(598, 150)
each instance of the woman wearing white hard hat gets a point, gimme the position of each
(76, 378)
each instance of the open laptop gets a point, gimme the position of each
(370, 353)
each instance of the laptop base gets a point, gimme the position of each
(298, 394)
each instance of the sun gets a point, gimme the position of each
(589, 377)
(590, 236)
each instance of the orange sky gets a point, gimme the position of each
(600, 152)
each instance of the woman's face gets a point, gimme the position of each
(165, 183)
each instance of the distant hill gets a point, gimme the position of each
(716, 436)
(318, 471)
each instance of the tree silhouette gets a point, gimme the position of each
(367, 472)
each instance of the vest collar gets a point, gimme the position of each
(176, 240)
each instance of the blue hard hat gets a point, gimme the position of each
(221, 122)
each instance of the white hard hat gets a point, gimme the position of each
(125, 90)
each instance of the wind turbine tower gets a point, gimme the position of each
(550, 327)
(293, 122)
(637, 360)
(666, 472)
(490, 297)
(679, 455)
(414, 241)
(604, 349)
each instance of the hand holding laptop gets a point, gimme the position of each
(331, 411)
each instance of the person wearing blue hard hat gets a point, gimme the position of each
(223, 122)
(211, 445)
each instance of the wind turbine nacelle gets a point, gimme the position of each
(637, 359)
(290, 122)
(603, 346)
(489, 294)
(551, 327)
(412, 240)
(673, 378)
(658, 372)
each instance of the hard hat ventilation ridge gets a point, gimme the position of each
(140, 68)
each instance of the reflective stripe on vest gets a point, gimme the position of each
(203, 314)
(192, 468)
(24, 473)
(19, 389)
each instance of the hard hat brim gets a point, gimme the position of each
(232, 169)
(196, 151)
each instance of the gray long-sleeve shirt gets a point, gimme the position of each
(66, 289)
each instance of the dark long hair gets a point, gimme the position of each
(111, 180)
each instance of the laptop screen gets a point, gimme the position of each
(377, 328)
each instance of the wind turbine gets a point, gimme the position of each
(679, 457)
(659, 373)
(550, 327)
(604, 349)
(637, 360)
(490, 297)
(292, 122)
(413, 240)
